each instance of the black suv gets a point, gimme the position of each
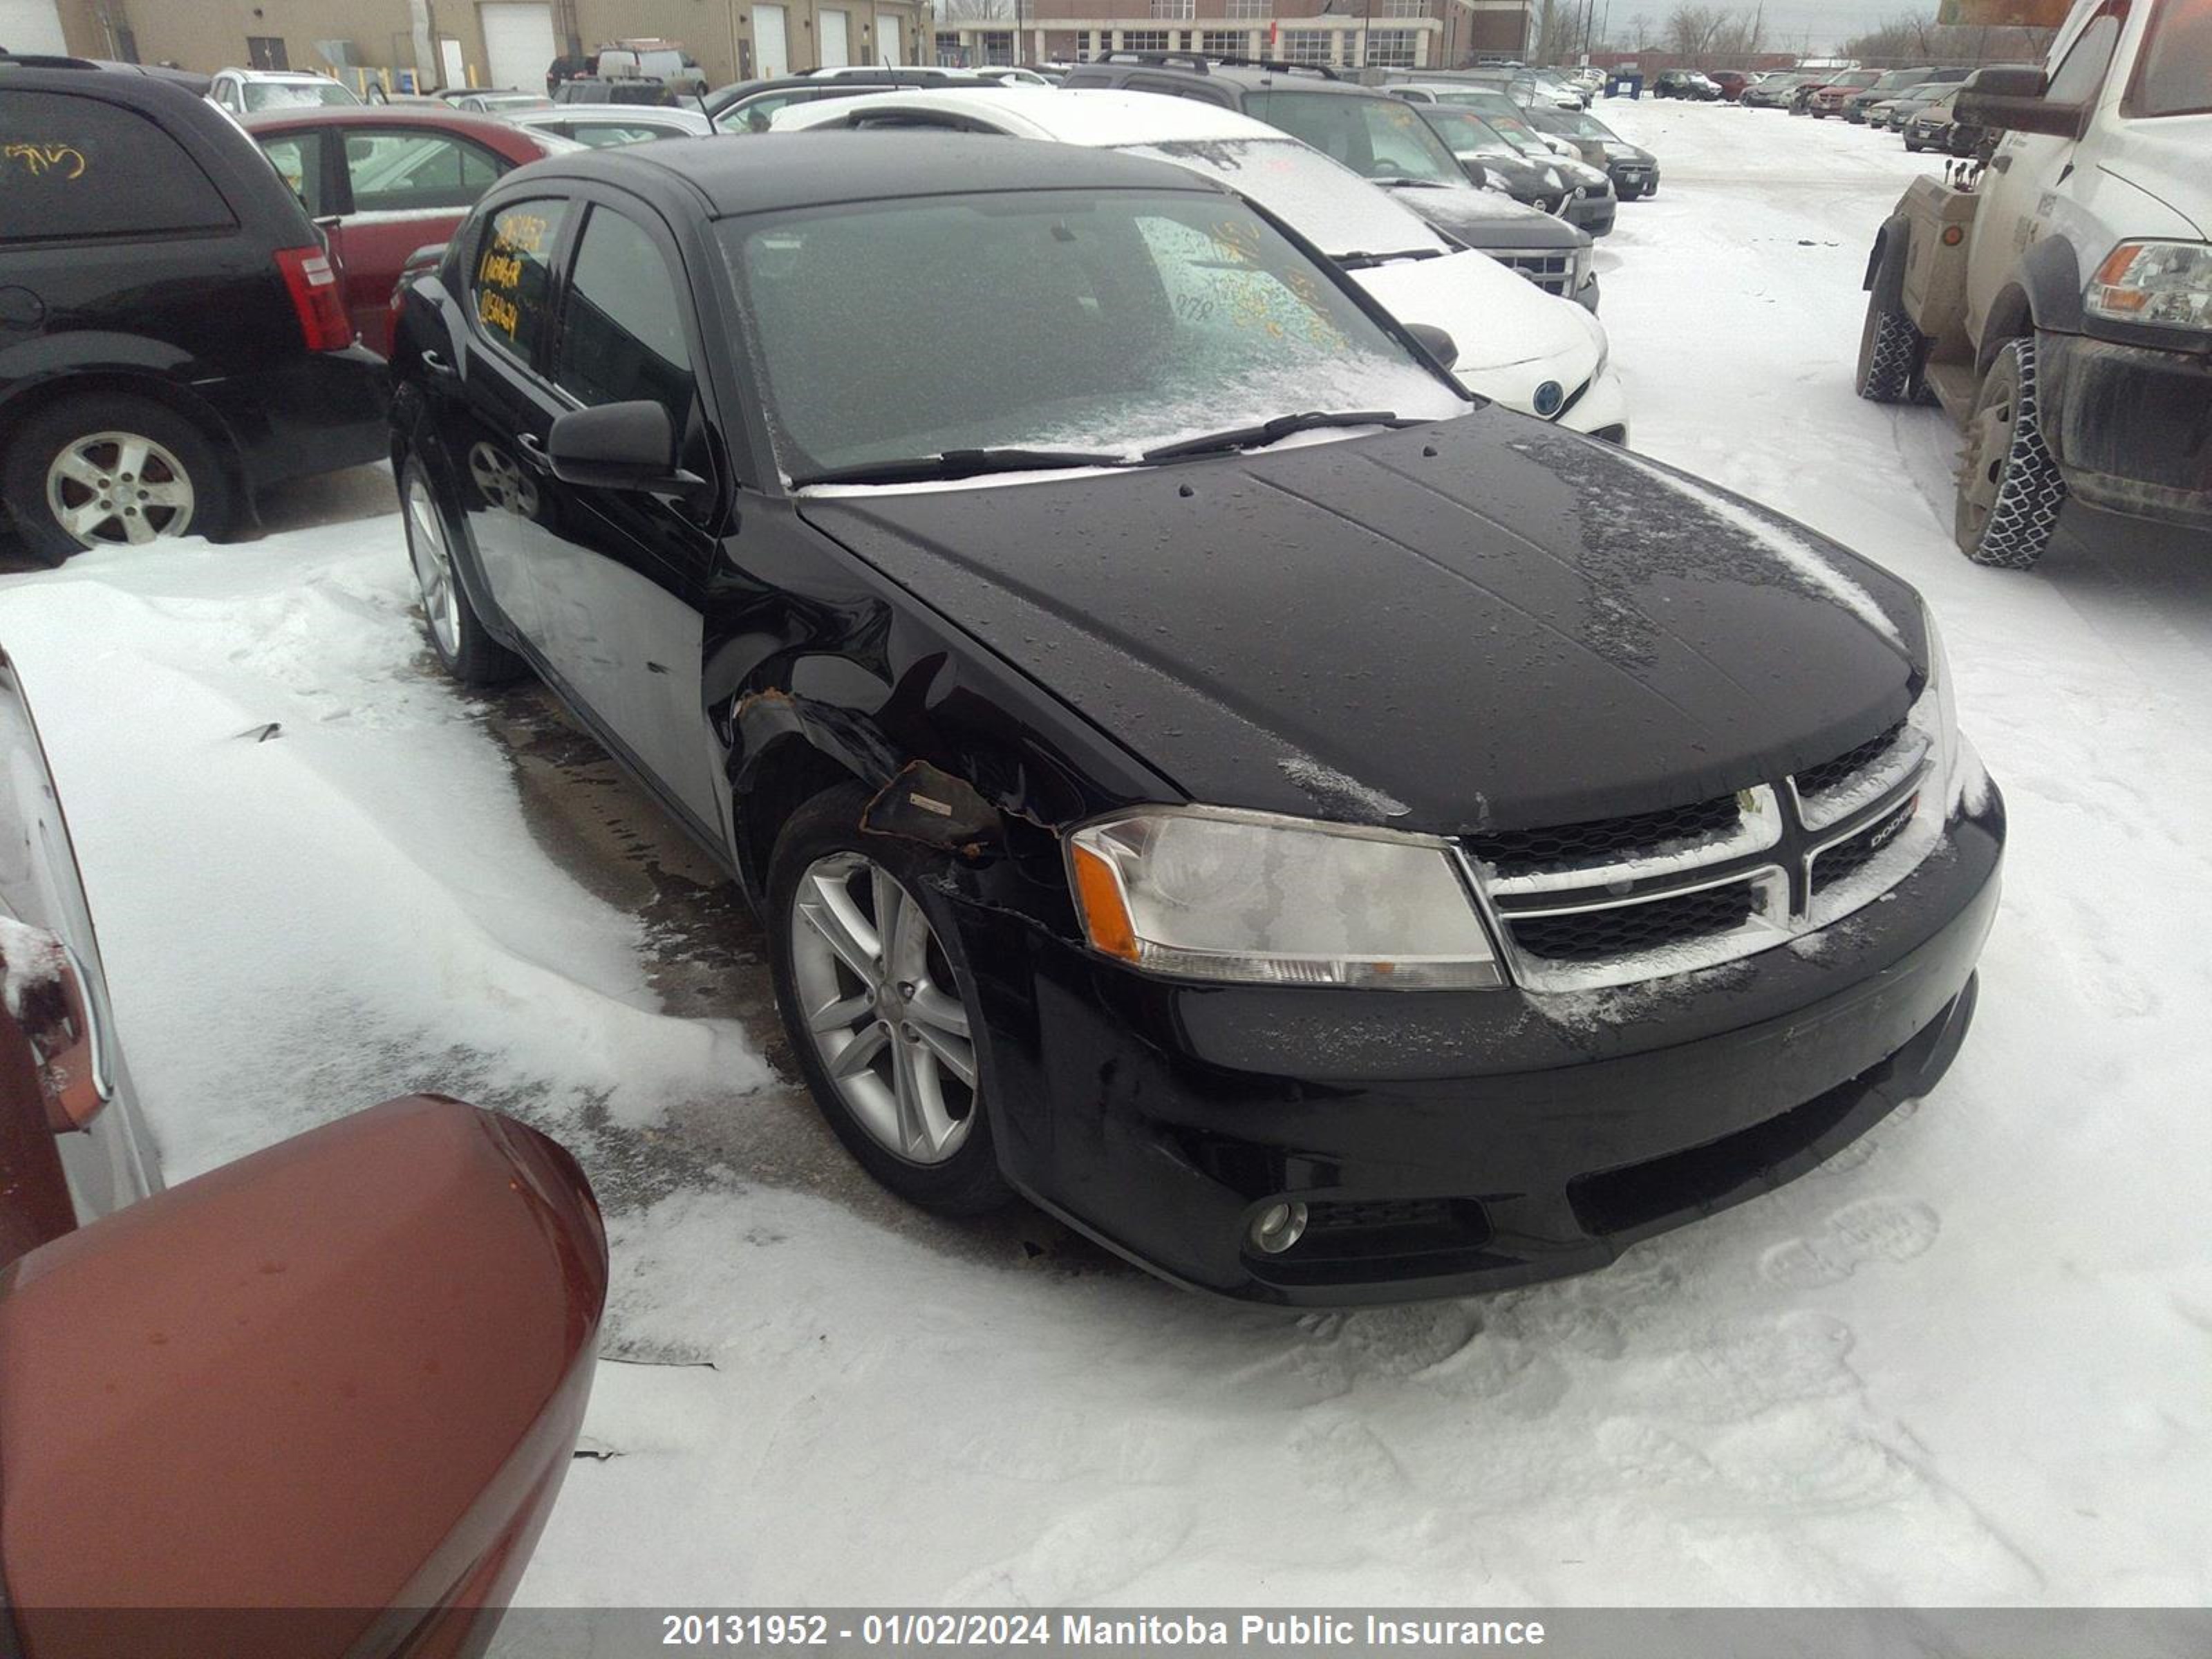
(1378, 136)
(173, 337)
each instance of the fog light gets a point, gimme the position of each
(1279, 1226)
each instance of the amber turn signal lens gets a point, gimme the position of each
(1105, 913)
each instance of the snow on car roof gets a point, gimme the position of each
(1096, 118)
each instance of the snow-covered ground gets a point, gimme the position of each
(1965, 1362)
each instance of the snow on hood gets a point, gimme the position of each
(1497, 317)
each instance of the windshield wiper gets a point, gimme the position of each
(1399, 182)
(1267, 432)
(1368, 261)
(955, 464)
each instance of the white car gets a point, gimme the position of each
(600, 125)
(1525, 349)
(241, 91)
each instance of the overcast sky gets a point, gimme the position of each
(1829, 22)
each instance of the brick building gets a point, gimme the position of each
(441, 43)
(1343, 34)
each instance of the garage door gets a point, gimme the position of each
(518, 45)
(837, 48)
(32, 27)
(771, 45)
(887, 41)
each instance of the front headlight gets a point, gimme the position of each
(2160, 284)
(1935, 718)
(1211, 893)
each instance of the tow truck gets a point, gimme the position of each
(2054, 293)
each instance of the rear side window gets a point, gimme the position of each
(72, 168)
(2175, 76)
(298, 159)
(414, 171)
(511, 286)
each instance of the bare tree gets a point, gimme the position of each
(1691, 30)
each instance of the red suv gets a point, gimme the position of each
(1730, 81)
(1829, 99)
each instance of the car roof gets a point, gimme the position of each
(296, 76)
(771, 171)
(1094, 116)
(667, 115)
(442, 117)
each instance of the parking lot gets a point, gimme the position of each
(1962, 1362)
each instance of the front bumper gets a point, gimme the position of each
(1453, 1143)
(1601, 411)
(320, 411)
(1632, 178)
(1592, 214)
(2130, 426)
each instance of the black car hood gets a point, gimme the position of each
(1483, 623)
(1485, 219)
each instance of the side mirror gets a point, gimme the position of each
(618, 446)
(1476, 173)
(2011, 96)
(1434, 341)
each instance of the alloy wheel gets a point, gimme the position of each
(433, 565)
(119, 489)
(879, 1001)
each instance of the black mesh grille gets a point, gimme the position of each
(1847, 858)
(1549, 271)
(1829, 775)
(1517, 851)
(1593, 935)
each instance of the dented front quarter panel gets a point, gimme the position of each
(807, 644)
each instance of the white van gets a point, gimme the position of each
(2059, 303)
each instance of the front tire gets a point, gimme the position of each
(457, 634)
(2010, 489)
(112, 471)
(873, 985)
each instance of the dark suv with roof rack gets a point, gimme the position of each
(173, 336)
(1378, 136)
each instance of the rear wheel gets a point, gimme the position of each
(874, 987)
(2009, 488)
(110, 471)
(1891, 355)
(457, 634)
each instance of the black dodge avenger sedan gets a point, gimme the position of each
(1330, 839)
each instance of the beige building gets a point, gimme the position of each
(1340, 34)
(440, 42)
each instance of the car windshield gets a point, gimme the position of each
(2175, 77)
(295, 94)
(887, 331)
(1377, 137)
(1467, 133)
(1587, 126)
(1342, 214)
(1859, 78)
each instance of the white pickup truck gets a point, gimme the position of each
(2059, 302)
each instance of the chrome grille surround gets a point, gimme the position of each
(1880, 819)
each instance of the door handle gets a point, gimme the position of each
(437, 365)
(534, 452)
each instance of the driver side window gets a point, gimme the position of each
(2076, 80)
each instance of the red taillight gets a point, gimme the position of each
(316, 295)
